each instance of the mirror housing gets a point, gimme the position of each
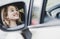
(22, 7)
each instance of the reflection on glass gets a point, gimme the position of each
(12, 16)
(35, 15)
(52, 12)
(36, 11)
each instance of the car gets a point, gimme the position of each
(37, 19)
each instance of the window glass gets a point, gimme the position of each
(52, 12)
(36, 11)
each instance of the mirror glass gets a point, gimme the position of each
(13, 15)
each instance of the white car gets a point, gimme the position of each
(39, 19)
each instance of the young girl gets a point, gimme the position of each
(11, 16)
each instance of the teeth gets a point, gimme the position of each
(15, 15)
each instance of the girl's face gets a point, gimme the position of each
(13, 13)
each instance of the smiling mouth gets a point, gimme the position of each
(15, 14)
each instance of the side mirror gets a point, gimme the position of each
(13, 15)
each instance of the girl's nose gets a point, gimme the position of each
(16, 13)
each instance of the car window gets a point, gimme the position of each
(51, 3)
(36, 11)
(52, 12)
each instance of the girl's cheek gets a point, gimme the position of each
(10, 15)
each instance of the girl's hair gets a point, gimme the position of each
(4, 14)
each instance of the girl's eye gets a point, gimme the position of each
(16, 9)
(12, 10)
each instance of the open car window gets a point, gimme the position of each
(35, 13)
(50, 14)
(38, 12)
